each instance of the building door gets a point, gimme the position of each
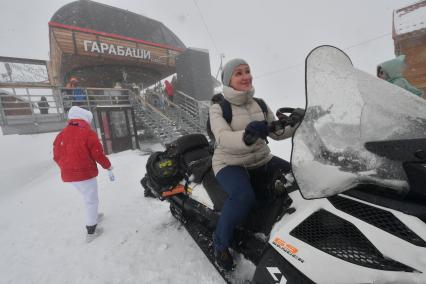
(117, 128)
(120, 130)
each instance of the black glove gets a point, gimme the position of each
(296, 116)
(255, 130)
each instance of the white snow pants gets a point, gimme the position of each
(89, 190)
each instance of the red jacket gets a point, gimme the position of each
(76, 150)
(169, 88)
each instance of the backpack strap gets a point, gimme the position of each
(263, 107)
(225, 105)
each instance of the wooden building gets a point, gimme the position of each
(409, 34)
(101, 45)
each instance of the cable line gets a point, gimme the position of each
(205, 25)
(367, 41)
(300, 64)
(279, 70)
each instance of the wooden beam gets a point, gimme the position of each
(26, 85)
(23, 60)
(74, 43)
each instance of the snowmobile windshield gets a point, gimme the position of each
(345, 109)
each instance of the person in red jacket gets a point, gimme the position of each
(168, 88)
(76, 150)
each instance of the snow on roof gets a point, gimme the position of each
(411, 18)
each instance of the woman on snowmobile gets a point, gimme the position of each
(242, 161)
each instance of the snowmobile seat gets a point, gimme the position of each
(189, 142)
(214, 190)
(404, 150)
(412, 154)
(196, 156)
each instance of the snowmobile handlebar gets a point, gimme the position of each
(287, 116)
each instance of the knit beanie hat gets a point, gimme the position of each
(229, 68)
(76, 112)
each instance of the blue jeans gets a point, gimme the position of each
(241, 185)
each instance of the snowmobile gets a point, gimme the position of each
(353, 207)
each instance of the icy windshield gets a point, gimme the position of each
(346, 108)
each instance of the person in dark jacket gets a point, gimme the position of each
(76, 150)
(391, 71)
(43, 105)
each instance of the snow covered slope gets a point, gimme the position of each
(42, 225)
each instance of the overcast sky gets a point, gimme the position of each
(274, 36)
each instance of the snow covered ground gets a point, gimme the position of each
(42, 225)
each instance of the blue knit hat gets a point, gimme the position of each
(229, 68)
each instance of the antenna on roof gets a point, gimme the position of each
(222, 55)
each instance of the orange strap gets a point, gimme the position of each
(175, 190)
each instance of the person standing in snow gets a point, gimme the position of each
(241, 165)
(43, 105)
(76, 150)
(391, 71)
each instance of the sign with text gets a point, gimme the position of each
(97, 44)
(113, 49)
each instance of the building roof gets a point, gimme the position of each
(410, 19)
(20, 70)
(103, 18)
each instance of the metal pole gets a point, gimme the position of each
(30, 103)
(3, 114)
(87, 99)
(61, 102)
(132, 113)
(57, 98)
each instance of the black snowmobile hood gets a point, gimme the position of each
(345, 108)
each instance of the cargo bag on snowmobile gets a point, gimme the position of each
(186, 157)
(162, 170)
(194, 156)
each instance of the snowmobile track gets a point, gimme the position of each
(203, 238)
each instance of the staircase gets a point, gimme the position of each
(170, 120)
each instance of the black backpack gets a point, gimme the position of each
(186, 156)
(225, 105)
(163, 169)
